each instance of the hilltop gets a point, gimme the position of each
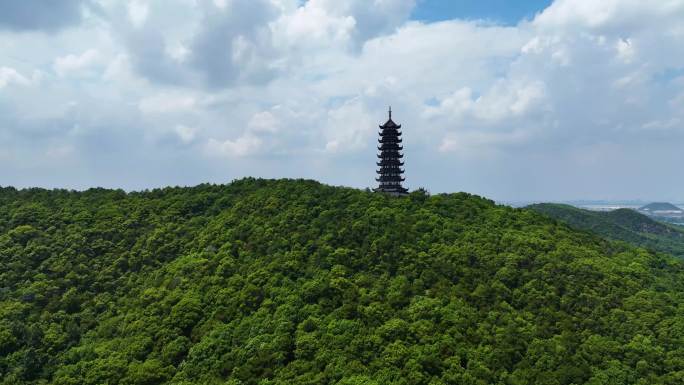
(295, 282)
(659, 206)
(621, 225)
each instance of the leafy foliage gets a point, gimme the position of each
(293, 282)
(620, 225)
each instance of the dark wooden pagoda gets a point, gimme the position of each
(390, 156)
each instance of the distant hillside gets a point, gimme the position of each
(622, 224)
(660, 206)
(264, 282)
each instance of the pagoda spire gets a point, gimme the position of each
(390, 158)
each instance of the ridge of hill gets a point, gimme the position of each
(295, 282)
(621, 225)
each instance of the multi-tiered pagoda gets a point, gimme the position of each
(390, 172)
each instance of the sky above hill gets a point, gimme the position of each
(497, 11)
(514, 100)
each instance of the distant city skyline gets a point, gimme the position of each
(512, 100)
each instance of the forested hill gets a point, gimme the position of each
(294, 282)
(660, 206)
(620, 225)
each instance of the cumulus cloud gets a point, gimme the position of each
(345, 24)
(76, 62)
(165, 102)
(59, 152)
(264, 121)
(481, 143)
(613, 16)
(504, 101)
(311, 26)
(371, 18)
(10, 76)
(229, 43)
(242, 146)
(207, 44)
(137, 12)
(185, 133)
(234, 44)
(349, 128)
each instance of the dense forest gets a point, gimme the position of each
(294, 282)
(621, 225)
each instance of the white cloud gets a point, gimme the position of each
(263, 121)
(312, 26)
(178, 52)
(607, 15)
(526, 97)
(118, 68)
(349, 128)
(73, 63)
(625, 50)
(244, 145)
(457, 104)
(138, 11)
(186, 134)
(165, 102)
(221, 4)
(473, 143)
(662, 125)
(504, 100)
(10, 76)
(59, 152)
(375, 19)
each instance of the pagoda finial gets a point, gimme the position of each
(390, 112)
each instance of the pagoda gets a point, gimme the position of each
(390, 172)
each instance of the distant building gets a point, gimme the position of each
(390, 156)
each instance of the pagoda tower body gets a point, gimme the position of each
(390, 159)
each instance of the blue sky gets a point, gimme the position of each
(500, 11)
(582, 100)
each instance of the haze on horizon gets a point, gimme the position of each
(515, 101)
